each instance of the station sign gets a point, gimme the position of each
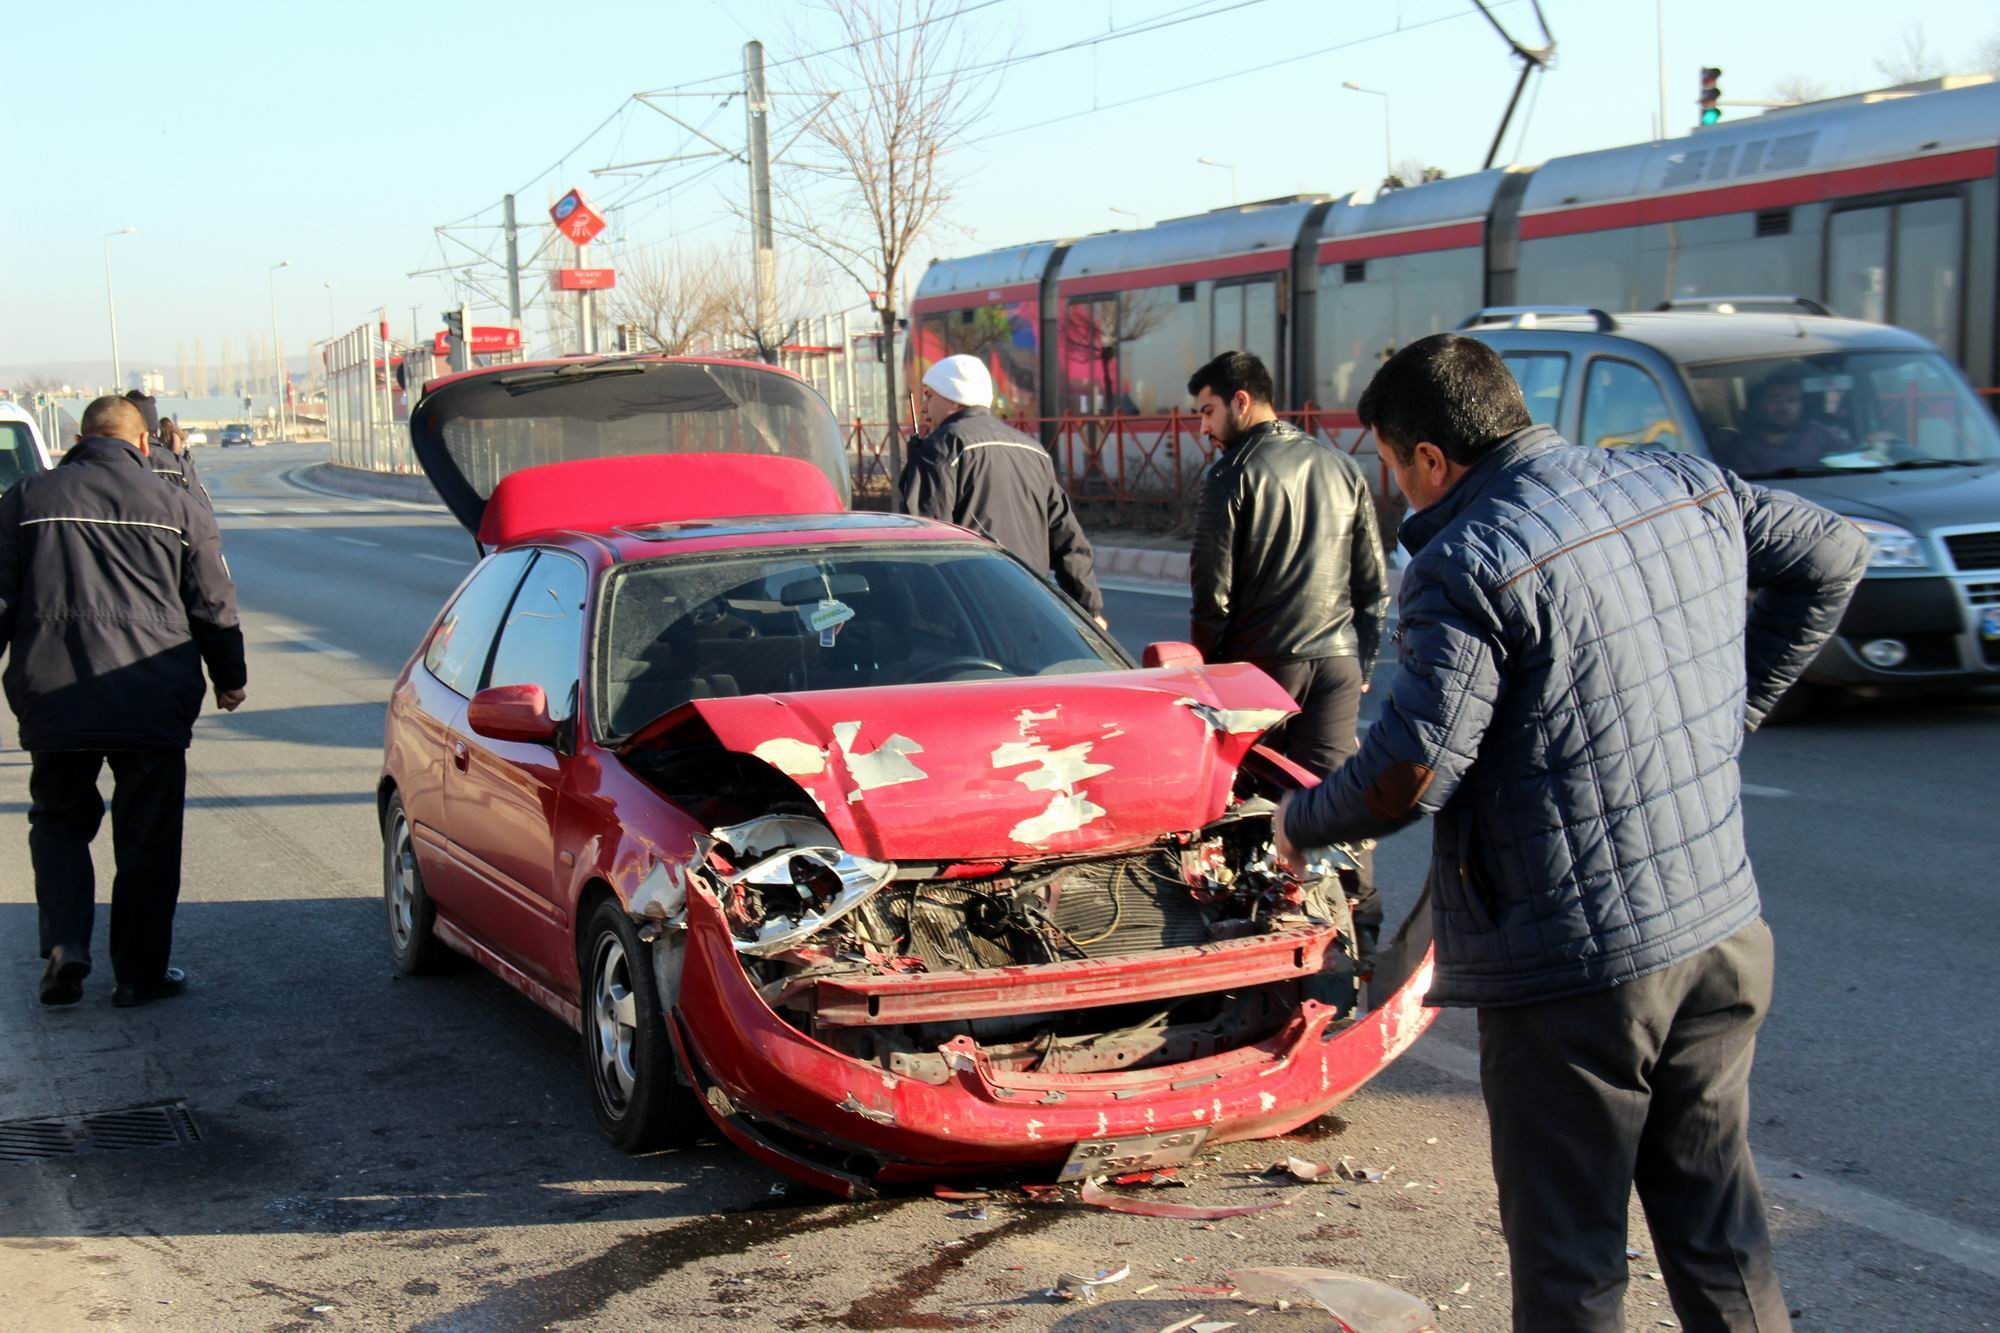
(576, 219)
(586, 279)
(486, 338)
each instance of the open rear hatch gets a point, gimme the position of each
(617, 418)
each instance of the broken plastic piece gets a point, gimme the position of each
(951, 1195)
(1358, 1304)
(1158, 1178)
(1096, 1197)
(1298, 1168)
(1076, 1286)
(859, 877)
(1361, 1175)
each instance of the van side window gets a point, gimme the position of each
(1541, 376)
(1623, 406)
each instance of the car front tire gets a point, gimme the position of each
(635, 1086)
(411, 944)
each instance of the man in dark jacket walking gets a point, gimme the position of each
(1586, 636)
(1288, 572)
(166, 447)
(974, 470)
(113, 595)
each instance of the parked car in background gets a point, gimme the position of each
(195, 437)
(238, 434)
(22, 451)
(845, 833)
(1871, 421)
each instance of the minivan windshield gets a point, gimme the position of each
(1842, 412)
(776, 623)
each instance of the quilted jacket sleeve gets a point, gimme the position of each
(1442, 701)
(1803, 565)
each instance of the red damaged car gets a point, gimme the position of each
(842, 830)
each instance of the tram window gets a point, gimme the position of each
(1161, 344)
(1857, 263)
(1623, 407)
(1260, 325)
(1927, 285)
(1541, 376)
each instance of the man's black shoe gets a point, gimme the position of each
(62, 979)
(168, 986)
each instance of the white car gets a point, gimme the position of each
(195, 437)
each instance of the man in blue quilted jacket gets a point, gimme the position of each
(1585, 637)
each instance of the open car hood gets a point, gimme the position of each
(621, 419)
(1007, 769)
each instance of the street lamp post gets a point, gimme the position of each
(329, 310)
(1388, 157)
(1230, 167)
(111, 308)
(1137, 221)
(271, 282)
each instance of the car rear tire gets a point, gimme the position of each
(636, 1090)
(412, 945)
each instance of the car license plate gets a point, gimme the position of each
(1989, 624)
(1103, 1157)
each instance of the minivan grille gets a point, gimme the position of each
(1975, 550)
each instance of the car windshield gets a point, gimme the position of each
(17, 454)
(703, 627)
(1842, 412)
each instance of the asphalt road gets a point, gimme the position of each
(385, 1152)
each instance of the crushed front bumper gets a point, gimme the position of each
(847, 1126)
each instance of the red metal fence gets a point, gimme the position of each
(1143, 463)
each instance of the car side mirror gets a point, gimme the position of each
(1171, 654)
(511, 713)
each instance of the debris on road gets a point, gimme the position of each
(1096, 1196)
(1299, 1169)
(1077, 1287)
(1358, 1303)
(961, 1196)
(1361, 1175)
(1158, 1178)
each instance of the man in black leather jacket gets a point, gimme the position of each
(1288, 571)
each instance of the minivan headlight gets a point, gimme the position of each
(1890, 547)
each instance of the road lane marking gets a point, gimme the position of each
(305, 509)
(357, 541)
(1788, 1180)
(1752, 789)
(441, 559)
(305, 640)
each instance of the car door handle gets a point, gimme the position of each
(460, 756)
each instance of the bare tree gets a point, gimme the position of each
(674, 296)
(869, 178)
(1988, 61)
(740, 318)
(1794, 89)
(1911, 62)
(1094, 330)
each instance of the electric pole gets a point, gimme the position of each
(764, 250)
(513, 263)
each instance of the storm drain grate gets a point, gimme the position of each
(162, 1125)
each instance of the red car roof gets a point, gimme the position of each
(515, 367)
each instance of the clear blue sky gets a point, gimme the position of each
(236, 135)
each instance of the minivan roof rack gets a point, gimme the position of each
(1734, 305)
(1527, 316)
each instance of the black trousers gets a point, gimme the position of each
(149, 795)
(1325, 735)
(1645, 1084)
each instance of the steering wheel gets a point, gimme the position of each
(939, 670)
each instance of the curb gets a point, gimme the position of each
(353, 483)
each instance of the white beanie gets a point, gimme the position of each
(962, 379)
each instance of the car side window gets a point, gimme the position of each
(541, 642)
(1541, 376)
(464, 639)
(1624, 407)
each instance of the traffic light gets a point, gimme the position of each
(1711, 95)
(454, 324)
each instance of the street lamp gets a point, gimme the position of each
(329, 310)
(271, 282)
(1137, 221)
(1388, 158)
(1226, 166)
(111, 308)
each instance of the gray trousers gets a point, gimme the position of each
(1646, 1084)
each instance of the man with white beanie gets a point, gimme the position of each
(971, 469)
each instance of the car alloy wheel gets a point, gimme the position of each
(614, 1013)
(411, 942)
